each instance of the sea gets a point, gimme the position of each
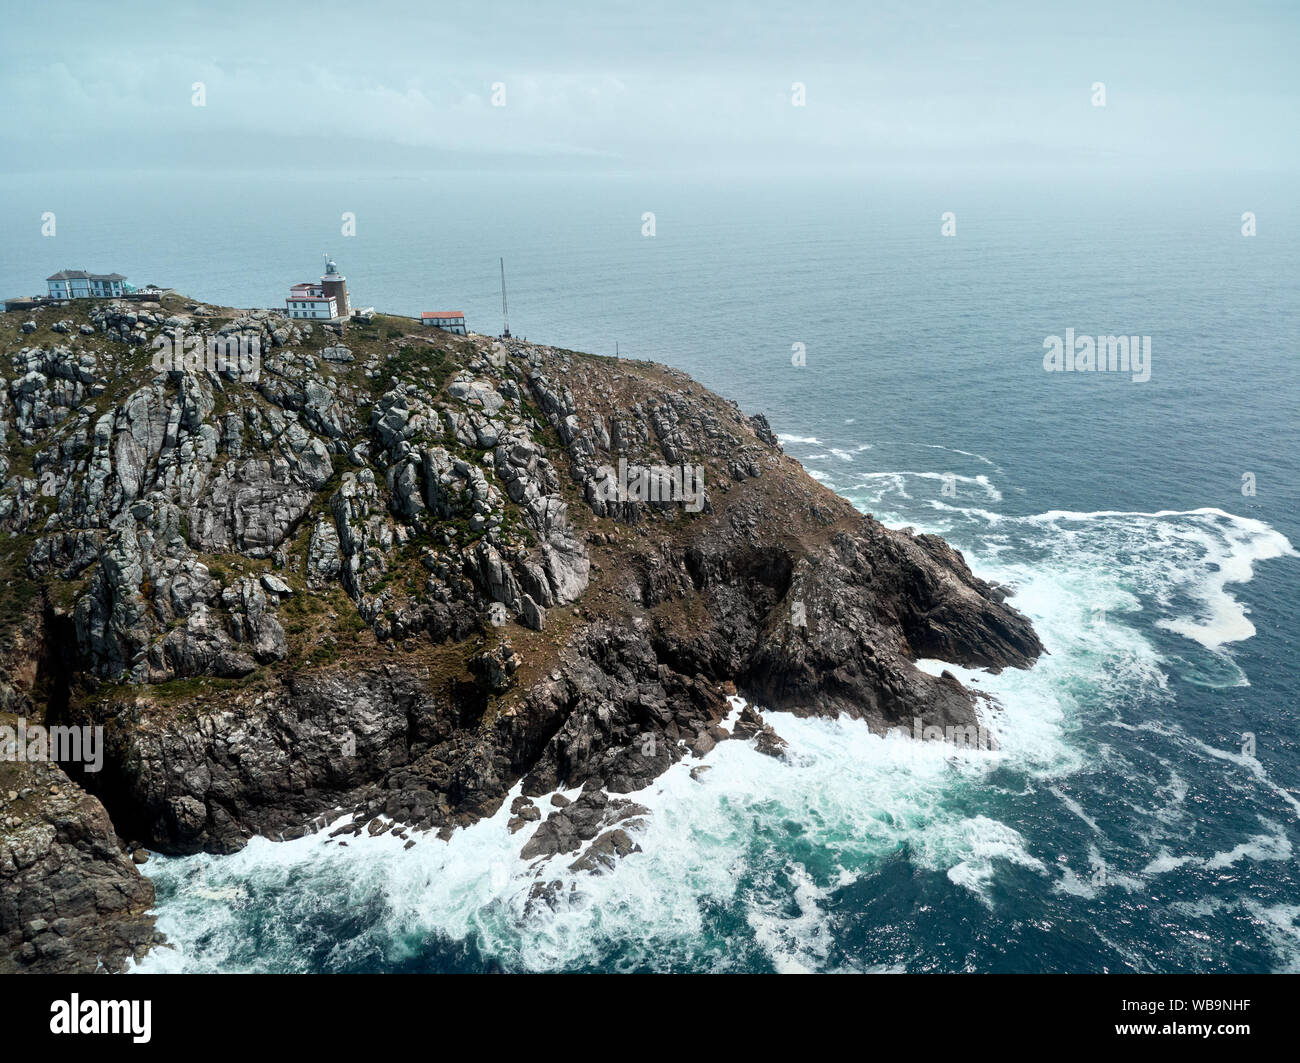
(1142, 809)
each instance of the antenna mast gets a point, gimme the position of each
(505, 313)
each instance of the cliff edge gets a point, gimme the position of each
(391, 573)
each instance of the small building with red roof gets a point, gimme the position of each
(447, 320)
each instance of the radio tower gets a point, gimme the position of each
(505, 313)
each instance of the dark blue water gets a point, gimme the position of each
(1124, 826)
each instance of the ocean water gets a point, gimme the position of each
(1124, 824)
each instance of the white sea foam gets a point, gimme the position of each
(1274, 845)
(845, 800)
(971, 850)
(1271, 845)
(798, 942)
(1165, 862)
(857, 798)
(1280, 924)
(953, 479)
(936, 446)
(1170, 557)
(1253, 765)
(1074, 806)
(876, 487)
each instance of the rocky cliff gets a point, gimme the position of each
(388, 575)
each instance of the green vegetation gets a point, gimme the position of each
(429, 366)
(18, 592)
(175, 692)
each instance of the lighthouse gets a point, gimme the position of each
(335, 285)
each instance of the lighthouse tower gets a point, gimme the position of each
(334, 284)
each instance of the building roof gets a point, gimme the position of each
(82, 275)
(441, 313)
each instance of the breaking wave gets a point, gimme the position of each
(860, 851)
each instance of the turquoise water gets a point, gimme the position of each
(1119, 827)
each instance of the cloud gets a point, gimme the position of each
(680, 84)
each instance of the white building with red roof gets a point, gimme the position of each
(324, 300)
(306, 300)
(447, 320)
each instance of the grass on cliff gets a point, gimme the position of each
(428, 367)
(18, 592)
(323, 628)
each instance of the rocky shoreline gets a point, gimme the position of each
(387, 579)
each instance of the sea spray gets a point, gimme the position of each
(750, 862)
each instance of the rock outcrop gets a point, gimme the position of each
(395, 573)
(71, 898)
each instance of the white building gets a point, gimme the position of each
(447, 320)
(310, 301)
(325, 300)
(78, 284)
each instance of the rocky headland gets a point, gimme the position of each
(384, 579)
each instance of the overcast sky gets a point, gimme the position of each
(651, 86)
